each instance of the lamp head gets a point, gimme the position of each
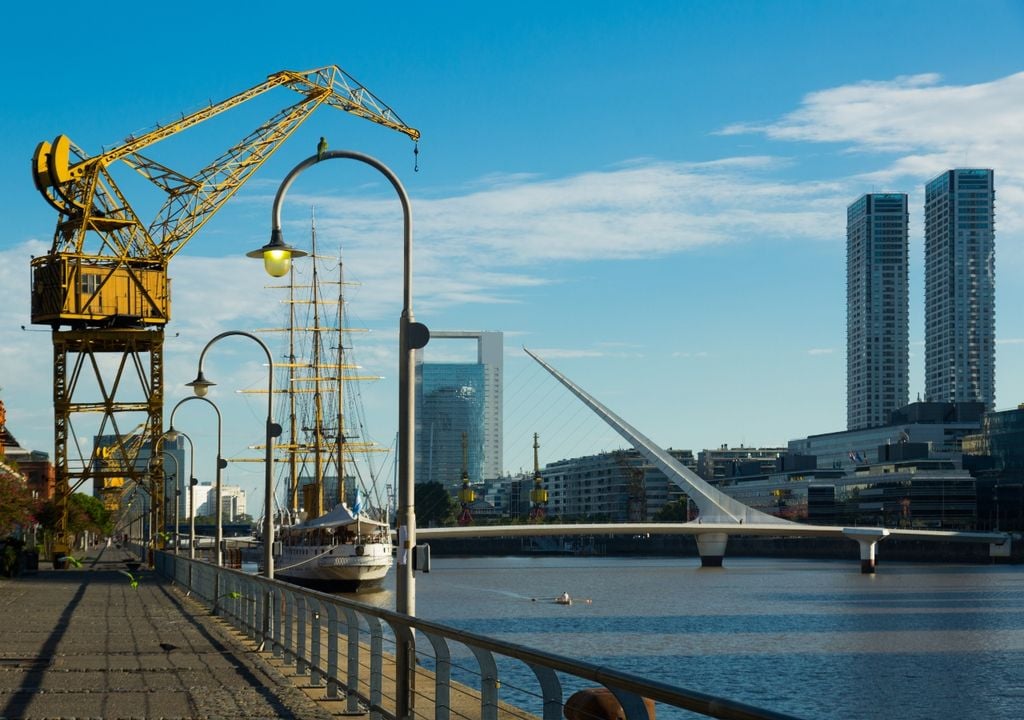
(200, 386)
(171, 434)
(277, 256)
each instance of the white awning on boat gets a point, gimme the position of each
(341, 516)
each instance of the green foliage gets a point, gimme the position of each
(10, 547)
(48, 515)
(16, 502)
(87, 513)
(434, 506)
(672, 512)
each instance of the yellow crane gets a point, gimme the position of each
(112, 463)
(103, 286)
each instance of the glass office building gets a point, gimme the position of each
(449, 405)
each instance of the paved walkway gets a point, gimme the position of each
(83, 643)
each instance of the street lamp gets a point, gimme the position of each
(201, 386)
(277, 256)
(173, 435)
(177, 492)
(411, 337)
(221, 464)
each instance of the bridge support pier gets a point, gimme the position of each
(867, 538)
(711, 547)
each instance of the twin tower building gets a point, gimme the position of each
(959, 297)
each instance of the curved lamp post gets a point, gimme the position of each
(411, 337)
(177, 492)
(201, 386)
(221, 464)
(192, 482)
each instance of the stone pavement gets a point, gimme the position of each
(83, 643)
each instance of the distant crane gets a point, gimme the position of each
(538, 495)
(112, 298)
(466, 493)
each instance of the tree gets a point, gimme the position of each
(86, 513)
(674, 511)
(16, 502)
(434, 506)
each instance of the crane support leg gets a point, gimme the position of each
(103, 376)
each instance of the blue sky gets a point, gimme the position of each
(650, 195)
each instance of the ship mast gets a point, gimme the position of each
(339, 378)
(293, 465)
(318, 410)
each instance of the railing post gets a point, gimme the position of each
(289, 614)
(376, 667)
(277, 608)
(443, 677)
(315, 673)
(488, 683)
(551, 691)
(301, 664)
(352, 656)
(632, 704)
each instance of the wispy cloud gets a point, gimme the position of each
(904, 114)
(926, 125)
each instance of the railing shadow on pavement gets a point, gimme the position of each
(339, 644)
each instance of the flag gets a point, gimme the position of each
(357, 508)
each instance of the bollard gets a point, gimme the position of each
(599, 704)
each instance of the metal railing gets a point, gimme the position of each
(340, 645)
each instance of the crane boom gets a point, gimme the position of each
(83, 191)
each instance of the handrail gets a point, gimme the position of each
(286, 619)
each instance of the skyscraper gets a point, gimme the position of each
(456, 398)
(877, 309)
(959, 293)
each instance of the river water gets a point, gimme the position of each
(815, 639)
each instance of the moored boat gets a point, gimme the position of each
(341, 551)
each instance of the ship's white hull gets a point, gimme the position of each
(338, 568)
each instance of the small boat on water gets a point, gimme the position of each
(342, 551)
(563, 599)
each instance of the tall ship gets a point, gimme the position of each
(333, 529)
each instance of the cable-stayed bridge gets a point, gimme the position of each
(720, 515)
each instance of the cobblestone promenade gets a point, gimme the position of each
(83, 643)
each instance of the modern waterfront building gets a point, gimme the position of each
(918, 492)
(722, 463)
(877, 309)
(232, 501)
(618, 486)
(1003, 438)
(960, 287)
(456, 399)
(941, 426)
